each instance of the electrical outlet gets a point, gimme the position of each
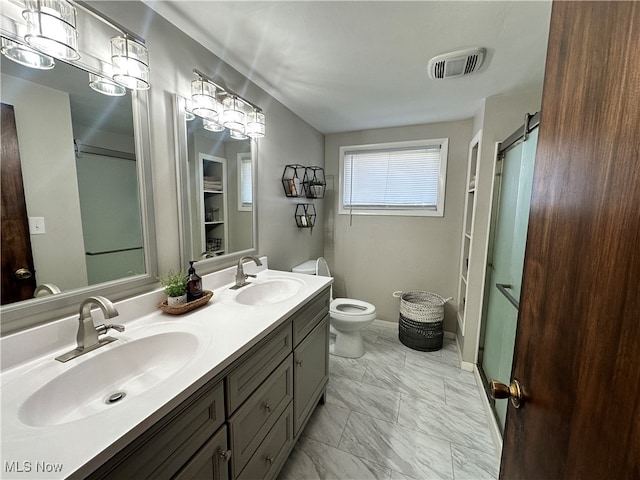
(36, 225)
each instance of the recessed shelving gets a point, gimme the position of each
(464, 280)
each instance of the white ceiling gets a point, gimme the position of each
(355, 65)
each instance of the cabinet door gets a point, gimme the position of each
(211, 462)
(311, 372)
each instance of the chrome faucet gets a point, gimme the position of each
(88, 333)
(241, 277)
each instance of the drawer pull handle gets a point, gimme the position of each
(270, 460)
(267, 407)
(226, 456)
(299, 362)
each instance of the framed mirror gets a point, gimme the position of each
(83, 158)
(217, 191)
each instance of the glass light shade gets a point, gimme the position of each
(106, 86)
(255, 124)
(233, 116)
(26, 55)
(130, 61)
(51, 28)
(237, 135)
(211, 125)
(203, 96)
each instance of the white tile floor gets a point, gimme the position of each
(396, 414)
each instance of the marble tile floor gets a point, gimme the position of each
(396, 414)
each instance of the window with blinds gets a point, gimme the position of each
(405, 178)
(245, 190)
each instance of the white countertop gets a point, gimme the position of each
(78, 447)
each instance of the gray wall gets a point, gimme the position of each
(173, 56)
(376, 256)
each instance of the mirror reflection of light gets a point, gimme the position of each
(26, 55)
(237, 135)
(105, 86)
(188, 111)
(211, 126)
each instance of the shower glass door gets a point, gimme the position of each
(504, 271)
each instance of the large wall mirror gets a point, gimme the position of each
(217, 189)
(84, 162)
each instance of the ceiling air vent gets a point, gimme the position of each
(456, 64)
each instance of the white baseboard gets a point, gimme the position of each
(491, 419)
(468, 366)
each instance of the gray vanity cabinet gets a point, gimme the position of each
(242, 424)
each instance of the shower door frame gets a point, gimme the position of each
(531, 122)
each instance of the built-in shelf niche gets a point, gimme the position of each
(464, 282)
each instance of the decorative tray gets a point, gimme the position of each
(187, 307)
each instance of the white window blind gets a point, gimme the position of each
(394, 178)
(245, 190)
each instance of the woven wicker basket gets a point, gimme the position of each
(421, 319)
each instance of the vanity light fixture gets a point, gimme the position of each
(255, 124)
(51, 28)
(221, 108)
(130, 59)
(50, 31)
(233, 116)
(26, 56)
(203, 98)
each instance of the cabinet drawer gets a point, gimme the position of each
(256, 365)
(166, 447)
(253, 420)
(210, 463)
(308, 316)
(311, 372)
(273, 451)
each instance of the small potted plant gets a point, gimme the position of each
(175, 286)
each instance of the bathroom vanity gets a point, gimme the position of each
(237, 407)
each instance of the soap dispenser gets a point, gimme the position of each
(194, 287)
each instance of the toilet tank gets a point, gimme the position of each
(308, 267)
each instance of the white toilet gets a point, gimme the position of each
(347, 316)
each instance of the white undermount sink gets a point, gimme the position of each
(111, 377)
(267, 292)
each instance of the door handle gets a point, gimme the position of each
(22, 274)
(502, 287)
(513, 392)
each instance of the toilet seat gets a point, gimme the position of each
(349, 308)
(347, 318)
